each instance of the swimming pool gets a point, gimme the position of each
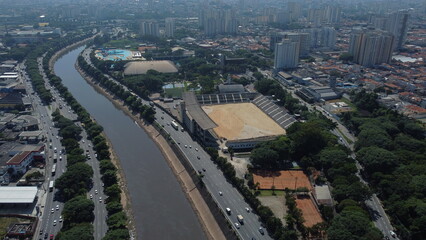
(114, 54)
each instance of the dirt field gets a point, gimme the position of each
(276, 204)
(309, 212)
(242, 121)
(281, 179)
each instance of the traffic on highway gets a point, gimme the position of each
(50, 214)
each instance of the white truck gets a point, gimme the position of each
(240, 219)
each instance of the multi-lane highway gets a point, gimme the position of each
(225, 195)
(51, 208)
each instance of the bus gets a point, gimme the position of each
(51, 186)
(174, 125)
(53, 169)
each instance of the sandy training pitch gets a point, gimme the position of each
(309, 212)
(281, 179)
(242, 121)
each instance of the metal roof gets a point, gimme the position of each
(17, 194)
(197, 113)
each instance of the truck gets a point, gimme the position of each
(240, 219)
(51, 186)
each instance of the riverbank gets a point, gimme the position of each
(61, 52)
(208, 222)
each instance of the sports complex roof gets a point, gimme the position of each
(195, 110)
(141, 67)
(17, 194)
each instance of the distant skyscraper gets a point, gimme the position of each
(371, 48)
(150, 28)
(324, 37)
(332, 14)
(218, 21)
(398, 26)
(286, 55)
(316, 16)
(294, 10)
(303, 39)
(395, 23)
(170, 27)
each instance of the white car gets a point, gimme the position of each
(91, 196)
(247, 209)
(186, 146)
(237, 225)
(53, 210)
(57, 207)
(220, 193)
(96, 191)
(190, 146)
(54, 222)
(196, 149)
(60, 218)
(100, 199)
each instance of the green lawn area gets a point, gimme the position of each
(347, 101)
(270, 193)
(174, 92)
(5, 222)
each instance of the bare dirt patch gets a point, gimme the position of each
(242, 121)
(281, 179)
(276, 204)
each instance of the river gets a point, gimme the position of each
(160, 208)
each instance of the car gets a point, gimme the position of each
(91, 196)
(41, 231)
(261, 231)
(204, 169)
(196, 149)
(96, 191)
(46, 235)
(52, 236)
(54, 222)
(228, 211)
(190, 146)
(247, 209)
(57, 207)
(186, 146)
(60, 218)
(83, 141)
(392, 233)
(53, 210)
(237, 225)
(220, 193)
(198, 157)
(100, 199)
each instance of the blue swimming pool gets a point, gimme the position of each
(114, 54)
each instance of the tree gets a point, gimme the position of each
(113, 207)
(75, 181)
(375, 159)
(117, 220)
(264, 158)
(117, 234)
(78, 210)
(352, 226)
(109, 177)
(113, 192)
(82, 231)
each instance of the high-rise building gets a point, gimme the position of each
(301, 38)
(316, 16)
(371, 48)
(286, 55)
(218, 21)
(398, 26)
(294, 10)
(395, 23)
(324, 37)
(170, 27)
(150, 28)
(332, 14)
